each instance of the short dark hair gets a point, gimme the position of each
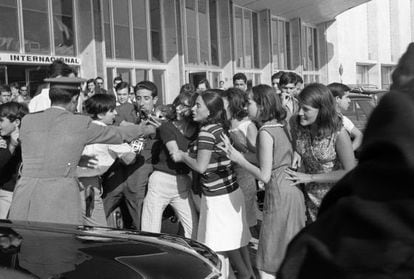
(277, 75)
(188, 87)
(338, 89)
(239, 76)
(205, 81)
(99, 103)
(98, 77)
(238, 101)
(91, 80)
(14, 84)
(121, 86)
(13, 110)
(286, 78)
(62, 96)
(299, 78)
(149, 85)
(118, 78)
(4, 87)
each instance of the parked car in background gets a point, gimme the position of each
(368, 89)
(43, 250)
(360, 109)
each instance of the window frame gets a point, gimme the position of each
(200, 63)
(131, 32)
(287, 45)
(252, 37)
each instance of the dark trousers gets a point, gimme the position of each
(128, 183)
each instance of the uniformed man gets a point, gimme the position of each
(52, 142)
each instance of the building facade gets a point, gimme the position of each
(172, 42)
(367, 41)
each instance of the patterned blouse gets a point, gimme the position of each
(318, 156)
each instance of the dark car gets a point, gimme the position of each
(43, 250)
(360, 109)
(368, 89)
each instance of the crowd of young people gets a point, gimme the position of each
(205, 155)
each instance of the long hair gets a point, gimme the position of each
(318, 96)
(214, 102)
(238, 101)
(269, 104)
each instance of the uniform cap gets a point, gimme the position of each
(70, 83)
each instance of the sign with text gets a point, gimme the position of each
(36, 59)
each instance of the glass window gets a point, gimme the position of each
(203, 31)
(213, 33)
(158, 79)
(124, 73)
(362, 74)
(9, 27)
(248, 39)
(156, 36)
(310, 51)
(256, 41)
(140, 75)
(109, 77)
(191, 32)
(238, 24)
(107, 28)
(121, 29)
(36, 26)
(140, 29)
(386, 72)
(280, 46)
(63, 27)
(215, 79)
(288, 47)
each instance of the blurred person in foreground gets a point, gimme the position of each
(365, 226)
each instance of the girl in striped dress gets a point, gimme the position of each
(222, 226)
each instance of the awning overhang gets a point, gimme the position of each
(310, 11)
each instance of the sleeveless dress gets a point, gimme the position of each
(318, 156)
(246, 180)
(284, 206)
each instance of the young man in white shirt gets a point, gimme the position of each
(341, 92)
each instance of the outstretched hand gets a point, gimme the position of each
(230, 151)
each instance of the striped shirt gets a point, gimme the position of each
(219, 178)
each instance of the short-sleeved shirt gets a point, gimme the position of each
(219, 178)
(161, 157)
(348, 125)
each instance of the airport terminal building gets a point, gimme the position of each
(172, 42)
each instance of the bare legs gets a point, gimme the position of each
(240, 260)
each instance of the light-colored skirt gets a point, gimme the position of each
(223, 225)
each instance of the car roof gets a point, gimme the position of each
(366, 89)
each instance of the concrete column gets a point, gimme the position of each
(225, 23)
(296, 34)
(395, 31)
(265, 25)
(86, 39)
(372, 26)
(172, 74)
